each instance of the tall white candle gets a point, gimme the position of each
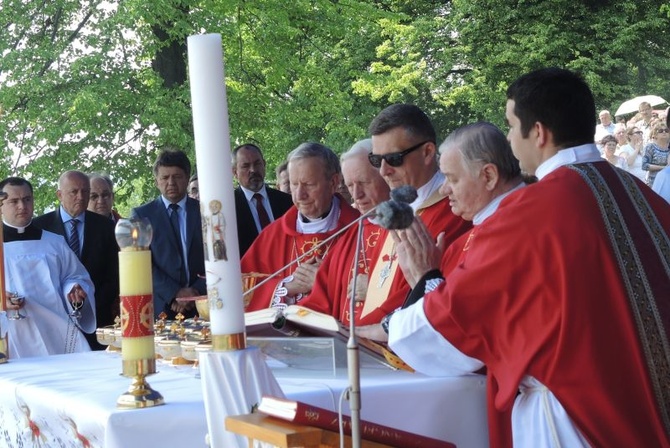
(215, 179)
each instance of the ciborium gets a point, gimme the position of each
(137, 313)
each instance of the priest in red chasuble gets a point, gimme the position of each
(404, 153)
(332, 289)
(563, 294)
(314, 173)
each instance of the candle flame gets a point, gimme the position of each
(135, 235)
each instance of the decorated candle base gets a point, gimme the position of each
(139, 394)
(228, 342)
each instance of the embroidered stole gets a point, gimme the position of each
(641, 247)
(371, 233)
(378, 287)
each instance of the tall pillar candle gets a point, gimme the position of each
(136, 293)
(217, 201)
(137, 310)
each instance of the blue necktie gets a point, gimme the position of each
(174, 220)
(73, 240)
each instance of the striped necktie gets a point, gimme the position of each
(73, 240)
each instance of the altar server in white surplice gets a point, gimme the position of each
(40, 266)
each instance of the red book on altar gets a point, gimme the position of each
(308, 415)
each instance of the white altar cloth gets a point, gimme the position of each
(70, 401)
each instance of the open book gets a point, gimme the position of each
(296, 320)
(306, 414)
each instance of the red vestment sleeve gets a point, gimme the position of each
(538, 292)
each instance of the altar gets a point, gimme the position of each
(70, 401)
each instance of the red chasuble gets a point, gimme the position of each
(330, 293)
(569, 282)
(278, 244)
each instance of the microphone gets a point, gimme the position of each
(394, 214)
(405, 193)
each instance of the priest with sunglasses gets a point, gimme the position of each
(404, 152)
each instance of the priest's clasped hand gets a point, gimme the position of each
(303, 277)
(76, 296)
(418, 253)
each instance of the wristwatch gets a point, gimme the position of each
(385, 322)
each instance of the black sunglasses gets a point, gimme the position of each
(394, 159)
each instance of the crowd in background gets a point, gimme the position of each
(639, 145)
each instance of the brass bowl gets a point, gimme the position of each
(202, 305)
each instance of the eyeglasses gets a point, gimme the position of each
(638, 132)
(394, 159)
(665, 131)
(104, 196)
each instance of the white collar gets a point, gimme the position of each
(18, 229)
(65, 216)
(577, 154)
(320, 225)
(427, 190)
(249, 194)
(490, 208)
(181, 203)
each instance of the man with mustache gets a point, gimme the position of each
(256, 204)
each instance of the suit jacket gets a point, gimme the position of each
(280, 202)
(165, 259)
(99, 255)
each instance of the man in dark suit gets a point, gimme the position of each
(177, 256)
(256, 204)
(91, 237)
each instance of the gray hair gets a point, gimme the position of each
(311, 149)
(105, 177)
(481, 143)
(362, 147)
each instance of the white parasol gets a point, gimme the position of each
(631, 106)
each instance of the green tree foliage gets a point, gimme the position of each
(101, 86)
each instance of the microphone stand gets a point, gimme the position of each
(353, 354)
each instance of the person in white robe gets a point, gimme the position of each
(40, 266)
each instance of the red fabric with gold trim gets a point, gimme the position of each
(137, 313)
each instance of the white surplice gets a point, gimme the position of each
(44, 271)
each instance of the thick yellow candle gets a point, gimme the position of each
(135, 272)
(135, 287)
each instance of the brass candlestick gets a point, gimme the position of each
(139, 394)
